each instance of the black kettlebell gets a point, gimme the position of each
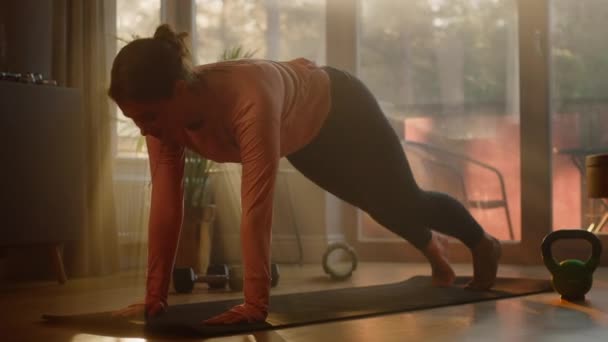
(572, 278)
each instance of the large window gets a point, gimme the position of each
(445, 73)
(270, 29)
(579, 106)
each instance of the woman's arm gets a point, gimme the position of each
(257, 134)
(167, 170)
(256, 129)
(260, 158)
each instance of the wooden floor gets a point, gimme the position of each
(532, 318)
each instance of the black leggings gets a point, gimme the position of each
(358, 158)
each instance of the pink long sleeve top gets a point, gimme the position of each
(257, 112)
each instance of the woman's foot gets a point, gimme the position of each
(436, 253)
(485, 263)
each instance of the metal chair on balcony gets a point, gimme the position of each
(438, 169)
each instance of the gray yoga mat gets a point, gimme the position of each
(299, 309)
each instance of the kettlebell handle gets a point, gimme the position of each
(596, 247)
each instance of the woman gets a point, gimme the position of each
(327, 124)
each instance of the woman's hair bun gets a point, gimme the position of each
(147, 68)
(165, 33)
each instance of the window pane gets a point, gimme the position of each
(579, 106)
(133, 19)
(272, 29)
(446, 74)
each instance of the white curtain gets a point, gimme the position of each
(80, 35)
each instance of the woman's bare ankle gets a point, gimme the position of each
(485, 262)
(436, 253)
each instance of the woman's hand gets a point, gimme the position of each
(239, 314)
(135, 311)
(138, 310)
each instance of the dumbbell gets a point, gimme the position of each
(184, 278)
(217, 277)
